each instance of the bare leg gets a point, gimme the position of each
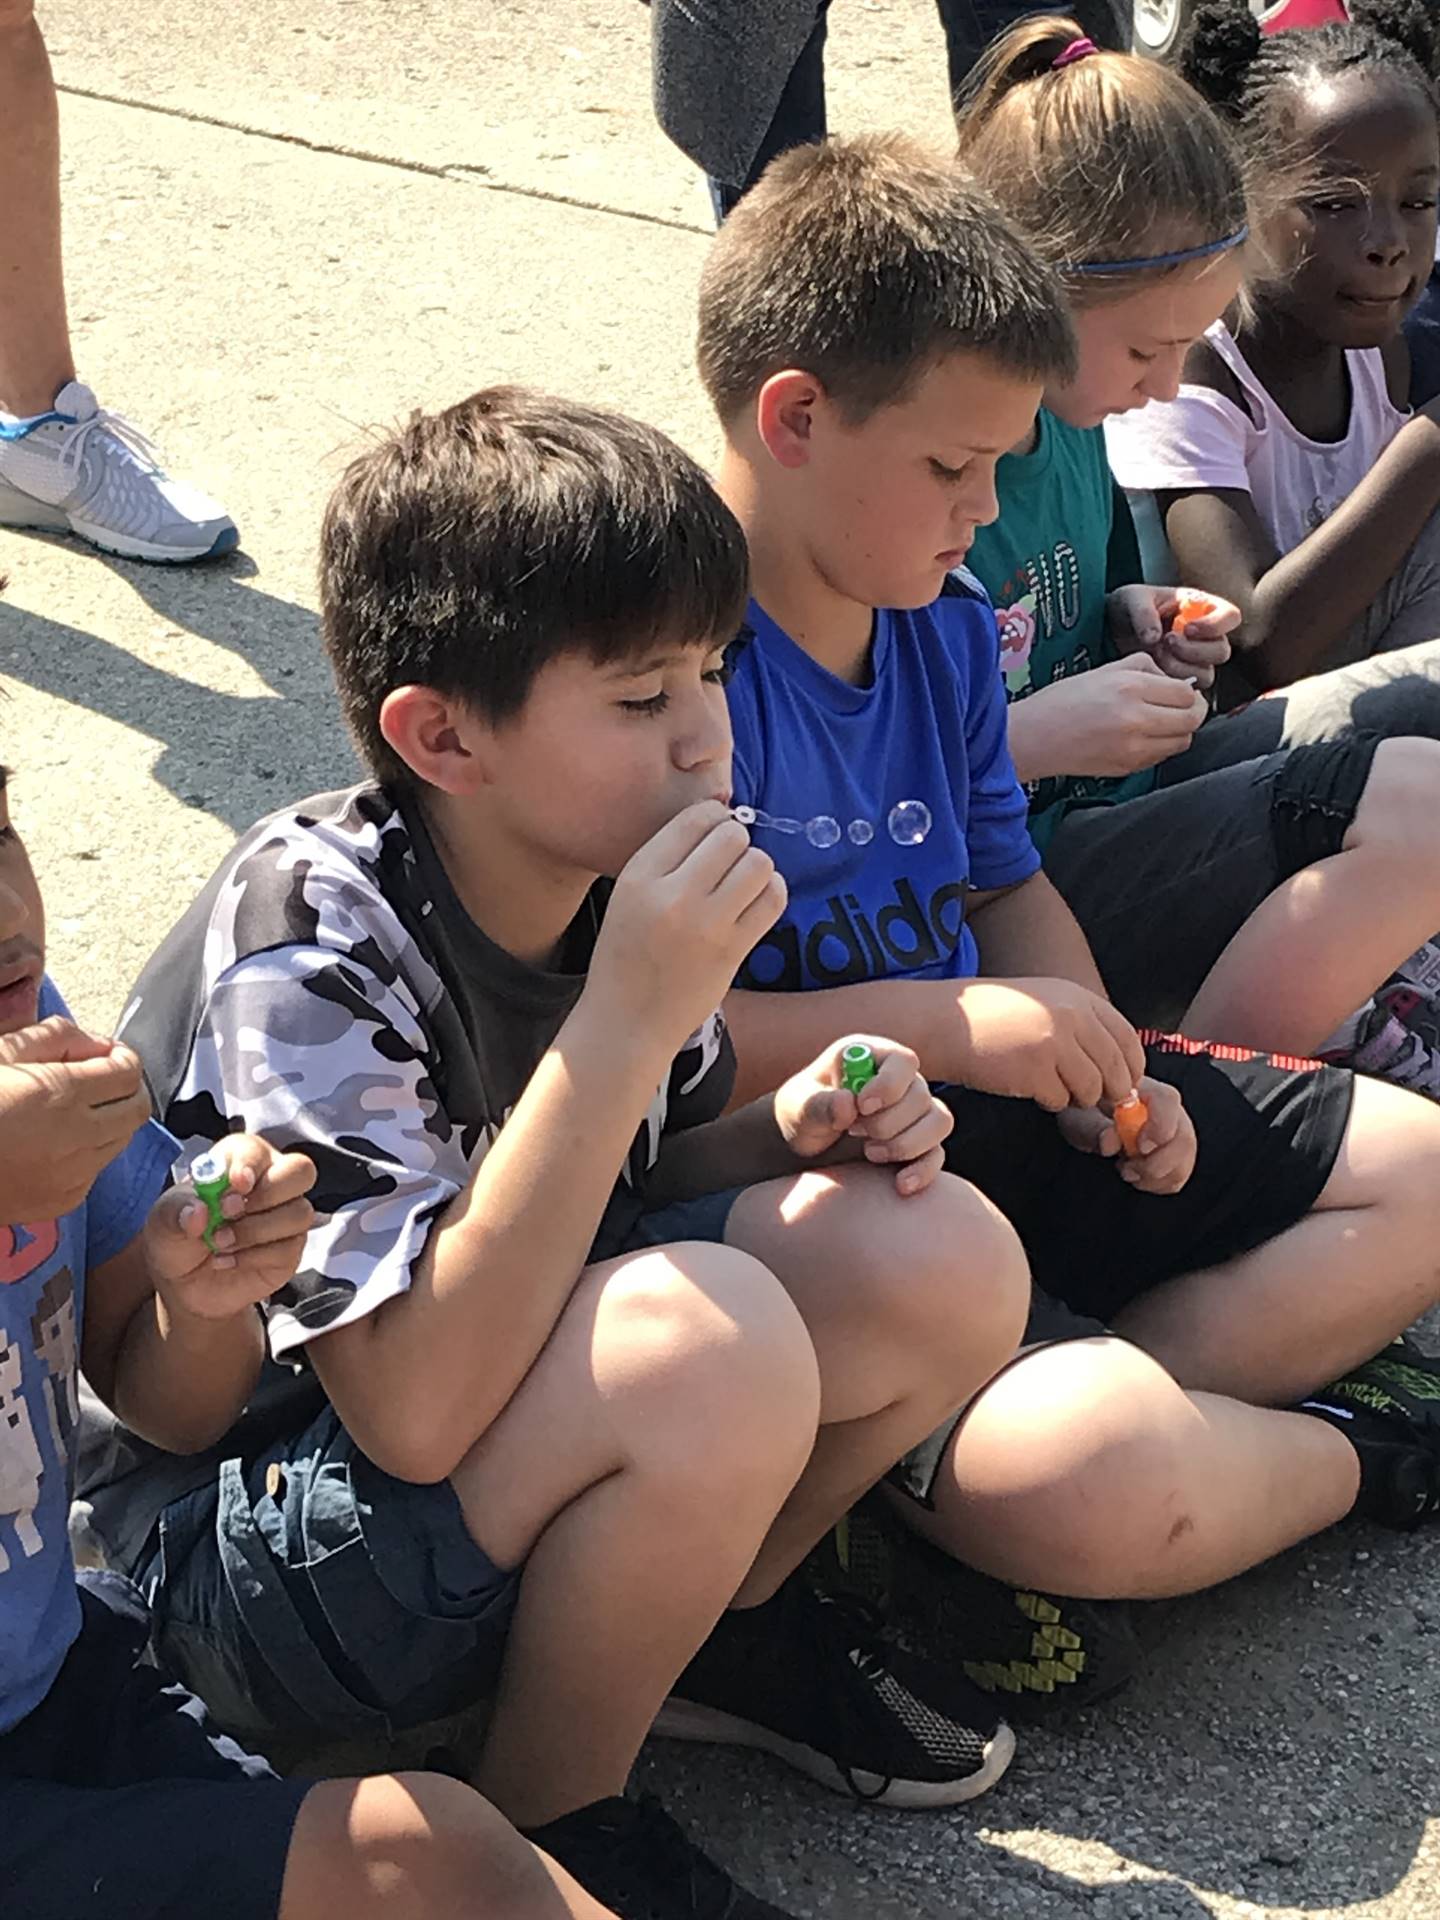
(1085, 1470)
(35, 357)
(1321, 943)
(1327, 1295)
(417, 1847)
(912, 1305)
(635, 1473)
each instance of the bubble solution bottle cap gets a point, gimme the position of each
(857, 1067)
(210, 1177)
(1130, 1117)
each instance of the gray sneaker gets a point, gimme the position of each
(1397, 1041)
(84, 470)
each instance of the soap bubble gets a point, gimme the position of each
(861, 833)
(823, 830)
(909, 822)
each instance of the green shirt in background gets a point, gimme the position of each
(1063, 539)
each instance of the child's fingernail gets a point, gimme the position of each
(224, 1260)
(232, 1206)
(875, 1150)
(224, 1240)
(869, 1106)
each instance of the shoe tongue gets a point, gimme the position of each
(76, 400)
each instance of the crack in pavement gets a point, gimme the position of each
(458, 172)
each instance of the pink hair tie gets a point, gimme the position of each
(1076, 50)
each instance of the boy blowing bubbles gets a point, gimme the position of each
(568, 1422)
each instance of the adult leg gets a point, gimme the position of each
(635, 1473)
(799, 116)
(35, 359)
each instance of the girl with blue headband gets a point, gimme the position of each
(1233, 882)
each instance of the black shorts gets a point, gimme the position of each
(1269, 1131)
(119, 1800)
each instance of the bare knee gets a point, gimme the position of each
(939, 1276)
(1074, 1471)
(709, 1332)
(410, 1846)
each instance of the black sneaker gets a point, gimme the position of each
(1036, 1653)
(631, 1857)
(1389, 1411)
(808, 1677)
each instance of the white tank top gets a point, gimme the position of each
(1202, 439)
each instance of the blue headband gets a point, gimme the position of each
(1236, 239)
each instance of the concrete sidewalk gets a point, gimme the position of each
(287, 224)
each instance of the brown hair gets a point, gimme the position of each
(1106, 158)
(473, 546)
(864, 262)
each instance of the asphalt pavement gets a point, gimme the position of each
(287, 226)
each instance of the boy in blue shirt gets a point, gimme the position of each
(874, 337)
(118, 1798)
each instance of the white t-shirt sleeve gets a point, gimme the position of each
(1200, 439)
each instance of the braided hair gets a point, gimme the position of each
(1246, 74)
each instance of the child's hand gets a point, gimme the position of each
(1158, 621)
(69, 1103)
(1115, 719)
(1167, 1147)
(1196, 643)
(895, 1115)
(257, 1250)
(1050, 1041)
(686, 910)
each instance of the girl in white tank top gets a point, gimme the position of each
(1289, 475)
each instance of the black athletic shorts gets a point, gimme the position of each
(120, 1800)
(1269, 1129)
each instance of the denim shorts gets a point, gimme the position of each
(305, 1593)
(120, 1798)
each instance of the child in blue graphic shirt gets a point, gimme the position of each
(874, 335)
(103, 1263)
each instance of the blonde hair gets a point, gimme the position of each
(1111, 164)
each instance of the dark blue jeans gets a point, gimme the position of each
(969, 25)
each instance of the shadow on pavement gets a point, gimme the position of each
(233, 755)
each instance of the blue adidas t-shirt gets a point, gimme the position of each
(926, 738)
(42, 1287)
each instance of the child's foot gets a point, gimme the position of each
(81, 469)
(808, 1677)
(1040, 1654)
(1389, 1410)
(631, 1857)
(1396, 1039)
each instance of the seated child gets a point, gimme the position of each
(874, 335)
(544, 1435)
(117, 1795)
(1290, 477)
(1240, 880)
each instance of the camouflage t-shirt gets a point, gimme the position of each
(328, 990)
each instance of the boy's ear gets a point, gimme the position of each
(785, 411)
(440, 740)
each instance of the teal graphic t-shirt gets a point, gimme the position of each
(1063, 539)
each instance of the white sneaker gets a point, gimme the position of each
(84, 470)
